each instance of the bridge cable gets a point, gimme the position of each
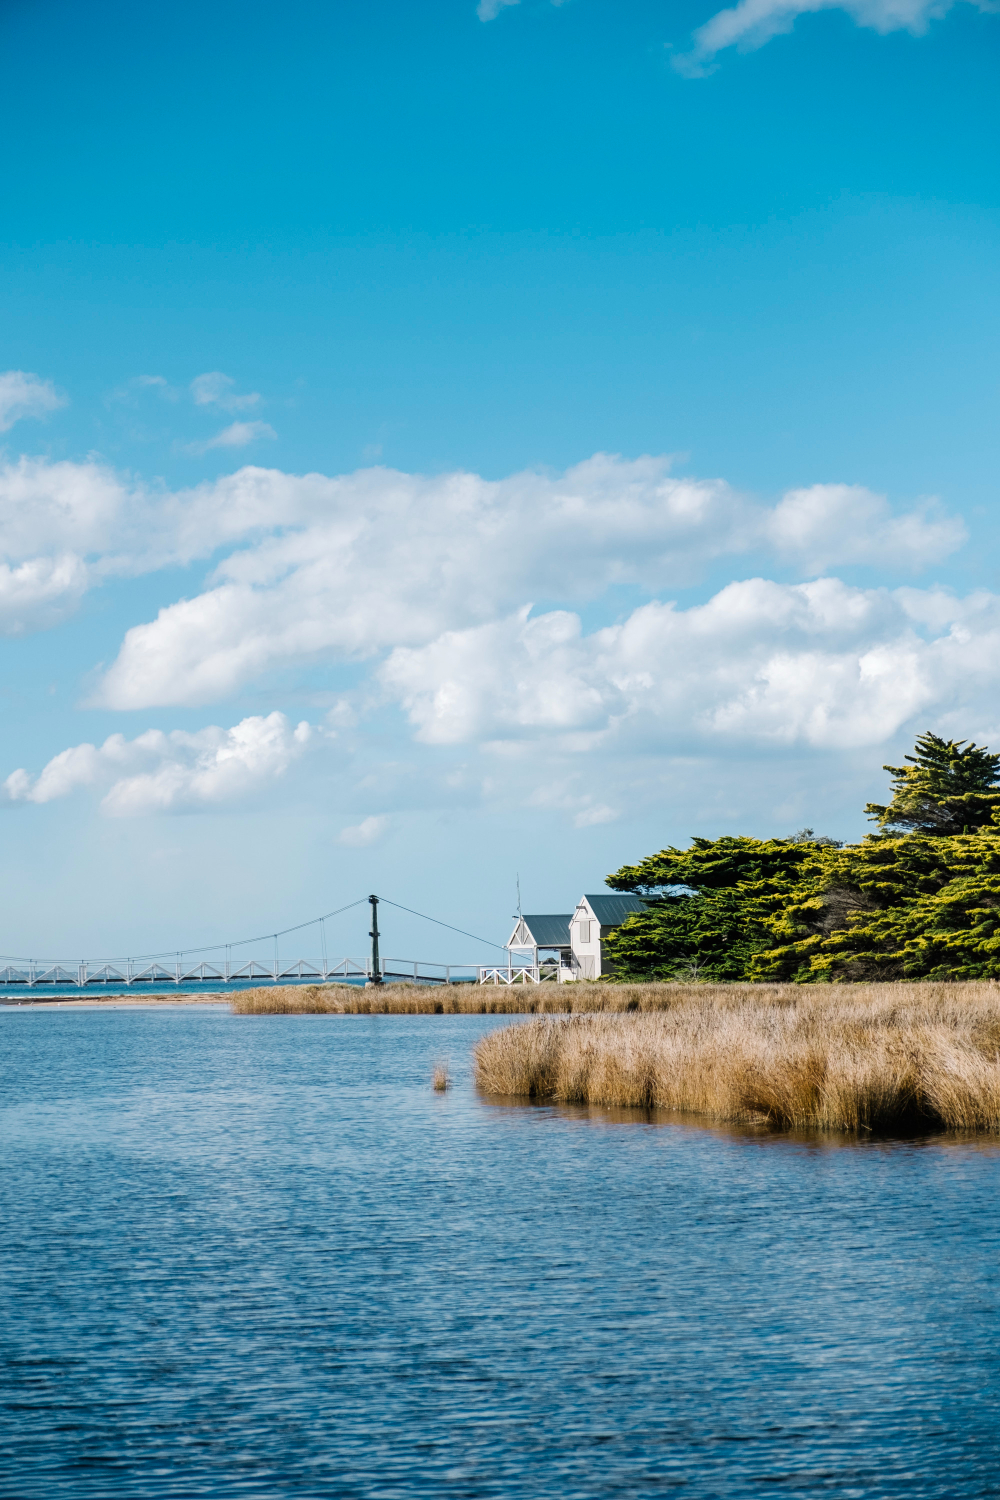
(426, 918)
(206, 948)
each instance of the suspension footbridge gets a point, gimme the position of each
(222, 965)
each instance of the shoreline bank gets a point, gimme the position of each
(529, 1000)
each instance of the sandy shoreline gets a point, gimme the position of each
(112, 1002)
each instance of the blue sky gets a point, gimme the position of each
(315, 319)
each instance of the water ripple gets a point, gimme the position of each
(262, 1258)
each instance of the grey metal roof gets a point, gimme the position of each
(611, 909)
(549, 931)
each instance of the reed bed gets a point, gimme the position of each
(875, 1057)
(390, 1000)
(482, 999)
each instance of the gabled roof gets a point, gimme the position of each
(544, 931)
(610, 909)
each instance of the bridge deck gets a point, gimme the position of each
(128, 973)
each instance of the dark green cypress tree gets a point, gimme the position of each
(949, 787)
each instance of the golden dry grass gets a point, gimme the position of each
(391, 1000)
(845, 1057)
(476, 999)
(442, 1082)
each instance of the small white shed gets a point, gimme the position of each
(546, 935)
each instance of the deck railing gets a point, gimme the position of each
(526, 974)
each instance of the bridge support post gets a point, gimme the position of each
(376, 973)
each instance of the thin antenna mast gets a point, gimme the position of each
(520, 919)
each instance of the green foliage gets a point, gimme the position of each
(719, 864)
(914, 907)
(921, 901)
(686, 937)
(949, 787)
(720, 900)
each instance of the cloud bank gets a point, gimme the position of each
(421, 554)
(175, 772)
(354, 566)
(761, 667)
(463, 595)
(817, 665)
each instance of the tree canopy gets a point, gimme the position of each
(918, 900)
(950, 786)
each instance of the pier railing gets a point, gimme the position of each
(130, 973)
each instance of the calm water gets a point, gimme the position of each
(260, 1257)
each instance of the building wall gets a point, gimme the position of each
(587, 949)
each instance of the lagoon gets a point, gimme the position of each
(261, 1257)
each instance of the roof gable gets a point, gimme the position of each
(546, 931)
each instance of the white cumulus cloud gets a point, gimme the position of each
(39, 592)
(829, 525)
(24, 395)
(363, 833)
(169, 772)
(818, 664)
(351, 566)
(410, 546)
(751, 23)
(65, 527)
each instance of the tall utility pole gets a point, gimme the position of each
(376, 974)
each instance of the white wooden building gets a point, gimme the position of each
(595, 917)
(572, 942)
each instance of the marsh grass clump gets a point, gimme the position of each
(874, 1058)
(442, 1080)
